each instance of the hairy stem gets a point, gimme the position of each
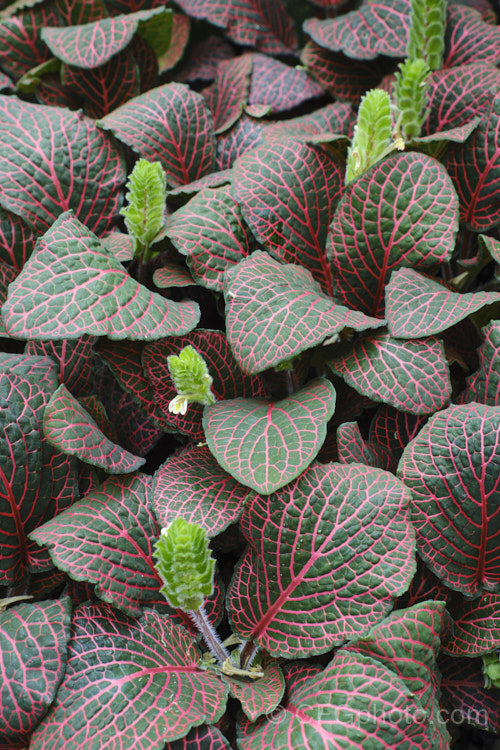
(199, 617)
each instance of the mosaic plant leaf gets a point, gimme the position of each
(76, 12)
(17, 239)
(280, 86)
(260, 696)
(33, 642)
(36, 482)
(283, 306)
(68, 427)
(205, 56)
(476, 627)
(74, 359)
(107, 540)
(210, 230)
(462, 686)
(21, 47)
(458, 94)
(484, 385)
(181, 27)
(334, 118)
(346, 695)
(341, 76)
(469, 38)
(191, 484)
(106, 87)
(126, 710)
(450, 488)
(7, 275)
(403, 211)
(92, 44)
(206, 737)
(228, 380)
(243, 136)
(95, 294)
(264, 24)
(412, 376)
(172, 275)
(474, 168)
(394, 429)
(305, 539)
(41, 148)
(265, 444)
(287, 193)
(418, 306)
(227, 96)
(150, 124)
(353, 449)
(379, 28)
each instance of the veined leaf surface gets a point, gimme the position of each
(452, 468)
(72, 285)
(53, 160)
(129, 683)
(265, 444)
(303, 586)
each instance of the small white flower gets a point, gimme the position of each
(178, 405)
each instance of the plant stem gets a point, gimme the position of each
(199, 617)
(247, 654)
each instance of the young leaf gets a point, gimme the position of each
(451, 468)
(303, 587)
(33, 642)
(68, 427)
(139, 683)
(259, 697)
(95, 295)
(39, 141)
(265, 444)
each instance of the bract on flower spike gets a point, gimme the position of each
(146, 197)
(192, 380)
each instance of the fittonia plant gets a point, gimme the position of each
(208, 329)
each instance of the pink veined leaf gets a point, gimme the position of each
(74, 358)
(95, 294)
(264, 24)
(335, 118)
(227, 96)
(191, 484)
(92, 44)
(150, 686)
(17, 239)
(412, 376)
(459, 94)
(259, 697)
(33, 639)
(474, 168)
(394, 429)
(287, 194)
(206, 737)
(7, 275)
(107, 540)
(476, 626)
(423, 587)
(283, 306)
(212, 180)
(403, 211)
(151, 125)
(68, 427)
(265, 444)
(352, 449)
(120, 245)
(75, 12)
(181, 27)
(469, 38)
(348, 690)
(243, 136)
(204, 59)
(278, 86)
(341, 76)
(106, 87)
(41, 148)
(452, 487)
(211, 232)
(305, 539)
(484, 385)
(21, 47)
(228, 380)
(378, 28)
(172, 275)
(418, 306)
(462, 685)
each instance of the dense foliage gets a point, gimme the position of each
(249, 279)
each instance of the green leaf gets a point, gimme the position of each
(265, 444)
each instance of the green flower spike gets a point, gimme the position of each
(145, 213)
(426, 33)
(191, 379)
(491, 670)
(185, 565)
(411, 96)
